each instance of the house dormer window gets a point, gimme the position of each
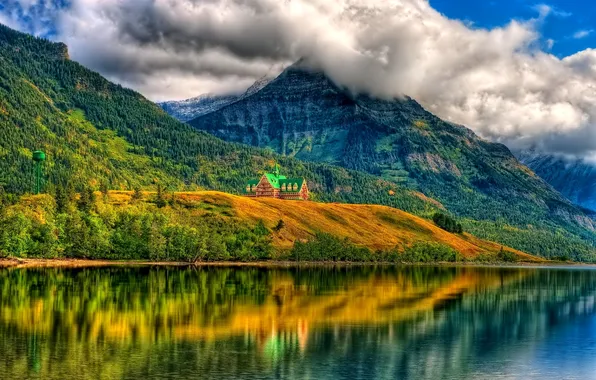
(283, 187)
(295, 187)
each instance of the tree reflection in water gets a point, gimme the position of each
(382, 322)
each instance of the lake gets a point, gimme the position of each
(298, 323)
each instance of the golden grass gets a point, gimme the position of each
(372, 226)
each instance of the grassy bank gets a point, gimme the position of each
(214, 227)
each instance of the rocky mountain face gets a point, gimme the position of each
(575, 179)
(303, 114)
(185, 110)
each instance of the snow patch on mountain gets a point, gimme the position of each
(185, 110)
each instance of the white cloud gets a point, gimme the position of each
(582, 33)
(549, 9)
(499, 82)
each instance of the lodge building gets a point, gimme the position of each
(275, 185)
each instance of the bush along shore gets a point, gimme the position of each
(161, 229)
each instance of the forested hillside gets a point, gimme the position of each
(99, 135)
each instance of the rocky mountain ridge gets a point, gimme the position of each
(188, 109)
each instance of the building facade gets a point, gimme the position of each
(275, 185)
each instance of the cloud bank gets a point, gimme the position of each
(502, 82)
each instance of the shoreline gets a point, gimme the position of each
(87, 263)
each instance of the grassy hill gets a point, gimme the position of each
(371, 226)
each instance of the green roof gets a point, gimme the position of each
(274, 179)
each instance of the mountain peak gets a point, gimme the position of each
(35, 45)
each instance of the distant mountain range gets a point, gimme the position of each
(575, 179)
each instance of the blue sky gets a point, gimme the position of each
(564, 25)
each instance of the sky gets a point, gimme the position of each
(571, 30)
(515, 71)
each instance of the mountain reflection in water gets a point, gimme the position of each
(362, 322)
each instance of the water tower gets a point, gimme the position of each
(38, 157)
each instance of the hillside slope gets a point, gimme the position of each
(372, 226)
(575, 179)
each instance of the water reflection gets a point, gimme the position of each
(413, 322)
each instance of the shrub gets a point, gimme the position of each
(326, 247)
(447, 223)
(507, 256)
(281, 224)
(430, 253)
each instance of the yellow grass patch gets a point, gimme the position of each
(372, 226)
(420, 124)
(427, 199)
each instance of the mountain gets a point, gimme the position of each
(98, 133)
(185, 110)
(95, 132)
(575, 179)
(303, 114)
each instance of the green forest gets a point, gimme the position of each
(99, 135)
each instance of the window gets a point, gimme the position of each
(247, 188)
(254, 187)
(295, 187)
(283, 187)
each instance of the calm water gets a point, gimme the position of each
(405, 323)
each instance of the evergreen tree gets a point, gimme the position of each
(160, 200)
(3, 199)
(62, 199)
(103, 188)
(447, 223)
(86, 200)
(137, 195)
